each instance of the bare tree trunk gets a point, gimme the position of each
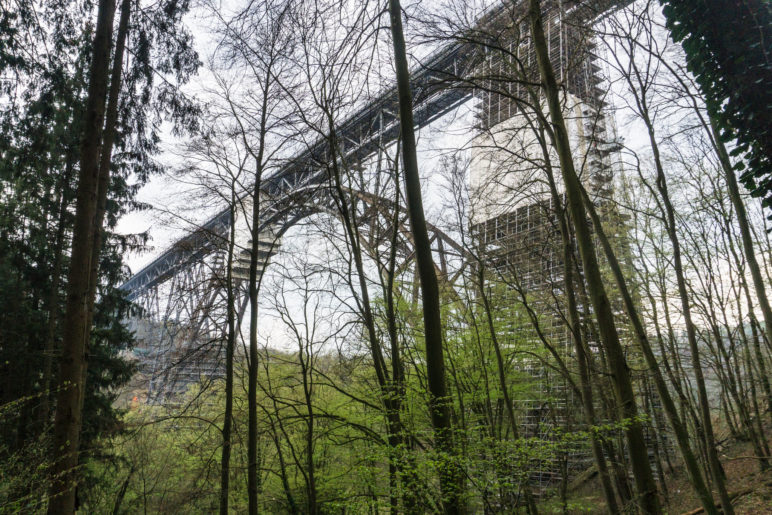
(252, 472)
(574, 319)
(254, 287)
(68, 420)
(576, 336)
(283, 473)
(668, 215)
(750, 253)
(229, 351)
(682, 435)
(105, 161)
(646, 486)
(451, 479)
(106, 151)
(401, 463)
(391, 387)
(670, 225)
(756, 337)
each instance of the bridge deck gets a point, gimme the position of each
(438, 88)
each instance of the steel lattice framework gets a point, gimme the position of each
(182, 291)
(439, 86)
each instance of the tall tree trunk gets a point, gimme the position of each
(253, 478)
(644, 479)
(68, 419)
(755, 338)
(703, 422)
(574, 319)
(575, 331)
(670, 225)
(252, 471)
(106, 153)
(399, 439)
(122, 492)
(396, 433)
(391, 389)
(682, 434)
(105, 162)
(293, 508)
(229, 350)
(451, 479)
(310, 475)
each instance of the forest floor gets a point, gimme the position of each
(750, 489)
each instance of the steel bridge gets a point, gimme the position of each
(182, 321)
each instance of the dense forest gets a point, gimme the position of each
(332, 256)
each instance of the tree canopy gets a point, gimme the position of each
(728, 44)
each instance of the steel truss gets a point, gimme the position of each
(439, 85)
(180, 323)
(180, 296)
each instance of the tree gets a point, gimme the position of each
(361, 207)
(95, 164)
(727, 44)
(72, 375)
(260, 41)
(399, 363)
(40, 158)
(608, 332)
(217, 161)
(451, 480)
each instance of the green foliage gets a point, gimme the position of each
(173, 461)
(168, 458)
(728, 50)
(23, 469)
(44, 55)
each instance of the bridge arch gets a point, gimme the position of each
(179, 318)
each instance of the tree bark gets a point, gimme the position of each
(106, 154)
(644, 479)
(68, 419)
(451, 480)
(229, 351)
(254, 288)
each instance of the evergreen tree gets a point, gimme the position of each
(41, 114)
(727, 44)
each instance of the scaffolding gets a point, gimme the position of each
(524, 249)
(522, 242)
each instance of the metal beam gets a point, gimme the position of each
(438, 88)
